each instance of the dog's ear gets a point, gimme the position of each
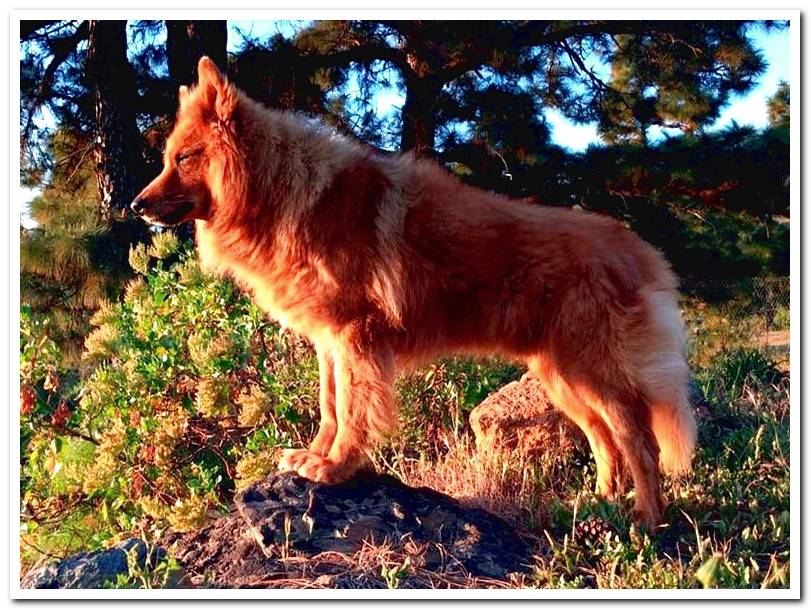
(208, 74)
(220, 95)
(182, 95)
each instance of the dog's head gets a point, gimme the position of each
(196, 152)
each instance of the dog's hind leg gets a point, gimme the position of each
(610, 472)
(364, 408)
(628, 418)
(618, 427)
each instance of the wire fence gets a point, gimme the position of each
(751, 312)
(766, 298)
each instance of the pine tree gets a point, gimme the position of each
(51, 78)
(676, 75)
(67, 268)
(188, 41)
(779, 106)
(668, 73)
(94, 162)
(118, 150)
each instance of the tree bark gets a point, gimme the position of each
(118, 152)
(419, 123)
(188, 41)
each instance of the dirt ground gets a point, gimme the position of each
(778, 344)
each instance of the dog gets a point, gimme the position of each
(385, 262)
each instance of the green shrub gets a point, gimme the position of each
(188, 391)
(782, 318)
(437, 399)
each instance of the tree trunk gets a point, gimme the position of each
(188, 41)
(118, 153)
(419, 123)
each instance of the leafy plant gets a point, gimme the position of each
(187, 391)
(395, 574)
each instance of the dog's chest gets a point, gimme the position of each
(291, 294)
(295, 292)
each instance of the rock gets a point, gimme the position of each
(287, 531)
(286, 515)
(89, 570)
(520, 418)
(223, 554)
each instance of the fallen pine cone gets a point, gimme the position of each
(593, 530)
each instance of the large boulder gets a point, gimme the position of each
(287, 531)
(519, 418)
(286, 515)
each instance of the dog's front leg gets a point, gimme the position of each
(322, 442)
(364, 409)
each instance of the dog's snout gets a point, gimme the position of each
(138, 207)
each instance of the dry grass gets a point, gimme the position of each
(516, 488)
(378, 566)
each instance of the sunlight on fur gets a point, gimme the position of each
(386, 262)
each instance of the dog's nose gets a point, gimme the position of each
(137, 207)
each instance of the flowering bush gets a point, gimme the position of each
(187, 392)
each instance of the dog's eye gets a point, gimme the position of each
(183, 158)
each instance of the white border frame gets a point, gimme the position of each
(342, 594)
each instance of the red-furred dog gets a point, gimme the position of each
(384, 262)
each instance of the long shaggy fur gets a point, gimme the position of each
(385, 262)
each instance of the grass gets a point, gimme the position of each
(728, 521)
(727, 524)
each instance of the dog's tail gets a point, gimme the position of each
(665, 378)
(675, 430)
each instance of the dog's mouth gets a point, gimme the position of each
(170, 216)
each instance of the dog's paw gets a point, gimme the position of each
(647, 518)
(290, 460)
(315, 467)
(320, 469)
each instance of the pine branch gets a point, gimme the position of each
(581, 66)
(65, 47)
(31, 29)
(537, 34)
(364, 52)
